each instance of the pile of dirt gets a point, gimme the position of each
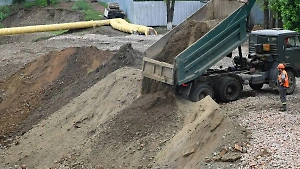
(208, 135)
(32, 93)
(67, 138)
(35, 84)
(42, 16)
(82, 108)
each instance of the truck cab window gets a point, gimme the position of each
(290, 42)
(297, 40)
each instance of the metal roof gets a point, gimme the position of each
(273, 32)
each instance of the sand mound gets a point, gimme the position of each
(97, 130)
(45, 85)
(206, 130)
(72, 129)
(35, 84)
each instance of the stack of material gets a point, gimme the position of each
(113, 11)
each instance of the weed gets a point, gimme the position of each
(43, 3)
(81, 5)
(4, 12)
(89, 12)
(103, 4)
(93, 15)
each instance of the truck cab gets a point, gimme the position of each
(273, 46)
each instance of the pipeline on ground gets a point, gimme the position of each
(117, 23)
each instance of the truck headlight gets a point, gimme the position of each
(266, 47)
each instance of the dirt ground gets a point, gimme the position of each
(74, 101)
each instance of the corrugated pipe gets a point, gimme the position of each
(119, 24)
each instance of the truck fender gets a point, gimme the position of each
(236, 77)
(289, 66)
(184, 90)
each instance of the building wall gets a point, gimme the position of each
(5, 2)
(258, 14)
(154, 13)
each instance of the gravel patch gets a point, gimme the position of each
(274, 135)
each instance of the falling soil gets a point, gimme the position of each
(186, 36)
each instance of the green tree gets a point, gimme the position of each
(274, 6)
(290, 10)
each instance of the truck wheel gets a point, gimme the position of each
(292, 82)
(200, 91)
(229, 89)
(256, 86)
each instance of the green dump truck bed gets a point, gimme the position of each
(197, 58)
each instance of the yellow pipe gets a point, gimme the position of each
(52, 27)
(119, 24)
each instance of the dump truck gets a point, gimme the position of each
(191, 71)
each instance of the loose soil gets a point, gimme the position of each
(82, 107)
(189, 33)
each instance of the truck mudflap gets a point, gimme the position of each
(157, 70)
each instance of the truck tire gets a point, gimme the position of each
(256, 86)
(230, 89)
(292, 82)
(200, 91)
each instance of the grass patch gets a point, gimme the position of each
(105, 5)
(41, 3)
(93, 15)
(59, 32)
(81, 5)
(89, 12)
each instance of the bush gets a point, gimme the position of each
(4, 12)
(290, 14)
(18, 1)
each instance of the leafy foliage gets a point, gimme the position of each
(289, 10)
(4, 12)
